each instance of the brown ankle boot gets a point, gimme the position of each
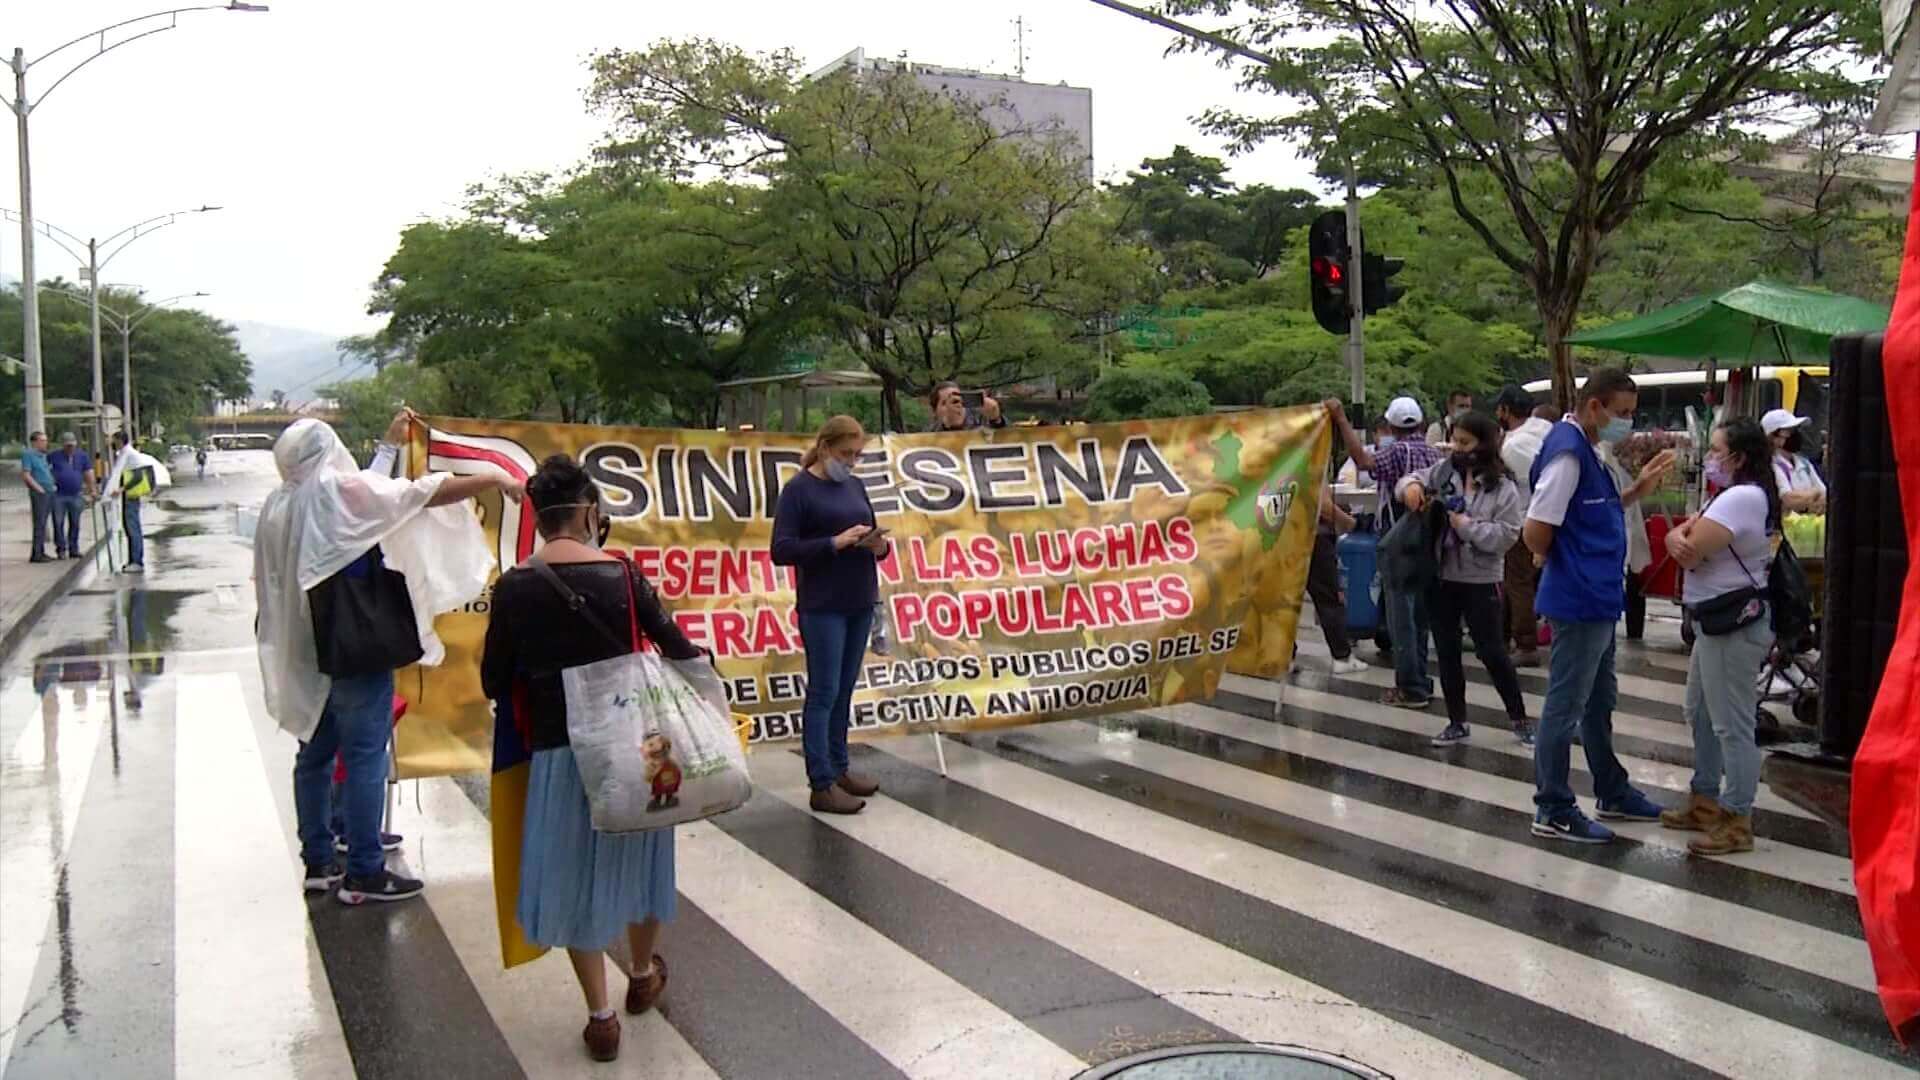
(1732, 833)
(645, 989)
(832, 800)
(603, 1038)
(857, 785)
(1700, 814)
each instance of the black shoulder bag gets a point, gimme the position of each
(363, 620)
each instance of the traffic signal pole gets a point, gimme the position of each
(1356, 303)
(1356, 299)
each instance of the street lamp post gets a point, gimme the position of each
(96, 263)
(126, 323)
(22, 105)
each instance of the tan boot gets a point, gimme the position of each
(1731, 833)
(1700, 814)
(859, 785)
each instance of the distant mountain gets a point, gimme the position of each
(294, 361)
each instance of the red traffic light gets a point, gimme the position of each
(1330, 273)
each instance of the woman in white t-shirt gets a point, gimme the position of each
(1726, 550)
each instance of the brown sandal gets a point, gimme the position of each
(643, 992)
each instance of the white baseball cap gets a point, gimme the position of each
(1779, 420)
(1403, 412)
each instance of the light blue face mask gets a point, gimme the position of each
(839, 471)
(1385, 441)
(1616, 429)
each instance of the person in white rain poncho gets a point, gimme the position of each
(330, 523)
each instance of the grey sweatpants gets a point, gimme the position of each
(1723, 695)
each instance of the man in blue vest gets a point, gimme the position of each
(1575, 524)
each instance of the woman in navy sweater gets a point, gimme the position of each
(823, 527)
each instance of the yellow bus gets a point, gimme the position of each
(1666, 395)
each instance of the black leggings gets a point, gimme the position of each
(1479, 607)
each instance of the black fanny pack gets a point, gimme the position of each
(1728, 612)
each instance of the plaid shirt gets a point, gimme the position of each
(1410, 454)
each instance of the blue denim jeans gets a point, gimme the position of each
(356, 725)
(40, 505)
(1723, 699)
(836, 643)
(136, 539)
(1407, 624)
(66, 523)
(1581, 692)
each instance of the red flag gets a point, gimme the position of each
(1885, 816)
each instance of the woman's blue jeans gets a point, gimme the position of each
(836, 643)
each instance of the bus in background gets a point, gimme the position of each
(241, 440)
(1665, 397)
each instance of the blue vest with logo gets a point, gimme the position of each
(1584, 579)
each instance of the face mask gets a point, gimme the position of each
(839, 471)
(1385, 441)
(1462, 411)
(1717, 473)
(1466, 463)
(1615, 429)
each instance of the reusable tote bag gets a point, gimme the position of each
(653, 737)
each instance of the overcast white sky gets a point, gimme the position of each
(324, 128)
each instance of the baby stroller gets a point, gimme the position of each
(1791, 678)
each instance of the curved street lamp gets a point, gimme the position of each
(126, 323)
(22, 105)
(96, 262)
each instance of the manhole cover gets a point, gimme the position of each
(1232, 1061)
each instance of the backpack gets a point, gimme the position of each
(1409, 555)
(1790, 595)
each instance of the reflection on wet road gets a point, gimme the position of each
(1070, 894)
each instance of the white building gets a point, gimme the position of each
(1009, 102)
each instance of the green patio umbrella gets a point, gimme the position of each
(1759, 322)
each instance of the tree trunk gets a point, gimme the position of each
(890, 417)
(1556, 318)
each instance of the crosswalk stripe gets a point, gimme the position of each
(1367, 686)
(1076, 1005)
(1779, 860)
(857, 974)
(1253, 1000)
(45, 774)
(1668, 776)
(537, 1006)
(235, 926)
(1748, 933)
(1678, 1022)
(1647, 694)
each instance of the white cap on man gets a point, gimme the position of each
(1403, 412)
(1779, 420)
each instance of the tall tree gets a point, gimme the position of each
(1567, 105)
(934, 226)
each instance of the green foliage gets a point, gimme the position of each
(182, 359)
(1203, 231)
(1569, 110)
(1145, 393)
(368, 405)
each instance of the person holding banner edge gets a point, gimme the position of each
(579, 889)
(823, 527)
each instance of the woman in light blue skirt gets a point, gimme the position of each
(579, 889)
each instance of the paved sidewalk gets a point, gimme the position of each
(26, 588)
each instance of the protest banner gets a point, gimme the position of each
(1036, 573)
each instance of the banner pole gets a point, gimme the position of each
(940, 754)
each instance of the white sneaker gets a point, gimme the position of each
(1352, 665)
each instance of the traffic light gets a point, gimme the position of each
(1375, 293)
(1327, 261)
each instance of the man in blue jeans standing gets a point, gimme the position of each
(1399, 454)
(72, 482)
(38, 477)
(1576, 525)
